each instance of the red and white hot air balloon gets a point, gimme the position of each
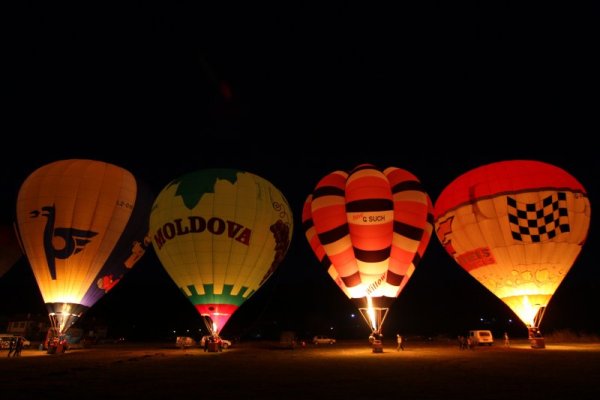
(517, 227)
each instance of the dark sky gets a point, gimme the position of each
(292, 93)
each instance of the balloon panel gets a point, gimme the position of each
(220, 234)
(315, 244)
(75, 221)
(517, 227)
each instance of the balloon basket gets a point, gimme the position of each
(377, 346)
(538, 343)
(213, 347)
(536, 339)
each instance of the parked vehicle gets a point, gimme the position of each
(5, 339)
(320, 339)
(481, 337)
(184, 341)
(224, 342)
(26, 342)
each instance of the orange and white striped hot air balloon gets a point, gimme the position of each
(517, 227)
(369, 229)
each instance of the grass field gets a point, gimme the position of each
(345, 370)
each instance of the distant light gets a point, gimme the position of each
(188, 331)
(331, 328)
(352, 315)
(481, 319)
(510, 320)
(174, 331)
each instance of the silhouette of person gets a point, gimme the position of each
(506, 340)
(400, 341)
(11, 346)
(18, 347)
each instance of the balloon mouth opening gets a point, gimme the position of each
(215, 316)
(372, 311)
(64, 315)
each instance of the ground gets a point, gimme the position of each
(345, 370)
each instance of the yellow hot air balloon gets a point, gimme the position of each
(517, 227)
(220, 233)
(82, 224)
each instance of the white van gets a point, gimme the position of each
(481, 337)
(5, 339)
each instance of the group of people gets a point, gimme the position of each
(377, 336)
(465, 343)
(15, 347)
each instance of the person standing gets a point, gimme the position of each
(400, 341)
(506, 340)
(18, 347)
(11, 346)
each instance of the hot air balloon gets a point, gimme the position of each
(220, 234)
(369, 229)
(517, 227)
(83, 224)
(9, 248)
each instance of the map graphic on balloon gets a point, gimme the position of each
(82, 224)
(517, 227)
(369, 229)
(220, 234)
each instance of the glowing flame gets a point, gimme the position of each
(527, 311)
(63, 318)
(214, 328)
(371, 313)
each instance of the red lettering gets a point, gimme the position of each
(159, 239)
(181, 230)
(233, 228)
(216, 226)
(244, 237)
(476, 258)
(197, 224)
(169, 230)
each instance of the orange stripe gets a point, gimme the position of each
(411, 213)
(410, 208)
(367, 184)
(371, 237)
(344, 262)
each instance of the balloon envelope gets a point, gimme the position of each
(220, 234)
(517, 227)
(82, 224)
(369, 229)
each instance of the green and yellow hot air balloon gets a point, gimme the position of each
(220, 234)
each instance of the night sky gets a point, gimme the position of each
(292, 93)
